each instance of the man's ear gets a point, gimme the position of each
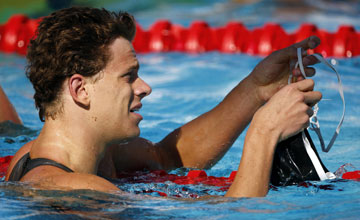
(78, 90)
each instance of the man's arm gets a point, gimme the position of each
(286, 113)
(197, 144)
(7, 110)
(203, 141)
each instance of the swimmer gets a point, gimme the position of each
(88, 92)
(7, 110)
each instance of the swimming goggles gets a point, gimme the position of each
(314, 122)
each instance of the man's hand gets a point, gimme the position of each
(272, 73)
(289, 110)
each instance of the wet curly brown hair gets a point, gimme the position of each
(69, 41)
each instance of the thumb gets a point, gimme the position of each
(289, 53)
(305, 85)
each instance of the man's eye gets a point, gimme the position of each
(130, 76)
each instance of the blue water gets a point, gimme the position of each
(185, 86)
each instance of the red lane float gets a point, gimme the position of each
(234, 37)
(4, 164)
(193, 177)
(159, 176)
(353, 175)
(16, 34)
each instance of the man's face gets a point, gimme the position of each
(117, 92)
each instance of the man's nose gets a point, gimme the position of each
(142, 89)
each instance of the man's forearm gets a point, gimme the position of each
(253, 175)
(203, 141)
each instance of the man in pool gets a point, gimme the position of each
(87, 90)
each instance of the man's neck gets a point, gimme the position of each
(75, 146)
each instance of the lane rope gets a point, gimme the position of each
(233, 37)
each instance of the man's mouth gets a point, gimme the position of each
(134, 111)
(136, 108)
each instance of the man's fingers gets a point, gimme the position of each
(305, 85)
(310, 60)
(312, 97)
(286, 54)
(310, 112)
(308, 43)
(309, 71)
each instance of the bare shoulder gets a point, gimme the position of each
(19, 154)
(83, 181)
(47, 177)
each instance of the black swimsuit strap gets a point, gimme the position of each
(25, 164)
(18, 169)
(43, 161)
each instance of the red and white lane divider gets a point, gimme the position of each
(234, 37)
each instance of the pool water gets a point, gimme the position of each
(185, 86)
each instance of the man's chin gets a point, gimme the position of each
(126, 139)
